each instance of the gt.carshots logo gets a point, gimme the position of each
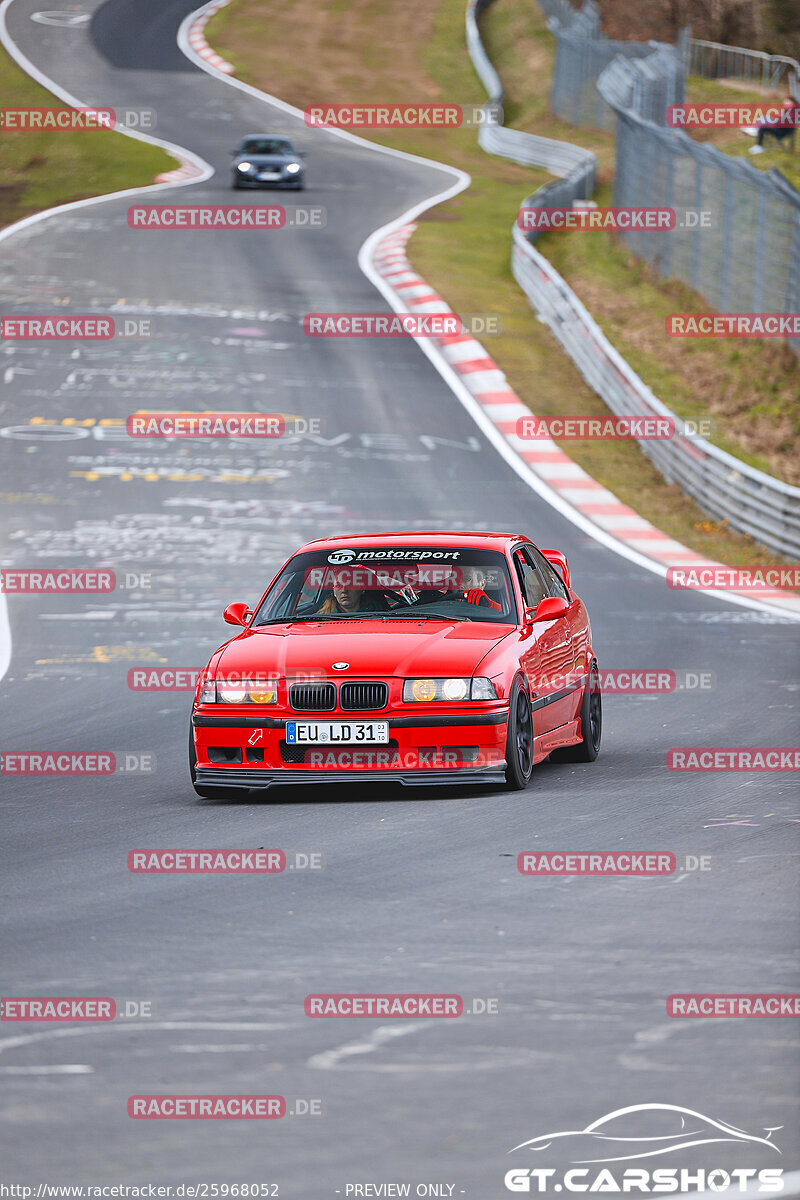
(643, 1131)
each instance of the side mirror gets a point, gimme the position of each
(302, 154)
(548, 609)
(237, 614)
(559, 561)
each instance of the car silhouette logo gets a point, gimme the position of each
(340, 666)
(674, 1128)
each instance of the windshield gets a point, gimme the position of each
(382, 583)
(266, 146)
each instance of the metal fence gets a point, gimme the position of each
(582, 54)
(749, 500)
(748, 258)
(713, 60)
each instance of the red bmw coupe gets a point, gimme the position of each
(416, 658)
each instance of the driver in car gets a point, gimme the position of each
(344, 598)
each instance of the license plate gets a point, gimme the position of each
(337, 732)
(269, 174)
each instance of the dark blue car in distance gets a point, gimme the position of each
(268, 160)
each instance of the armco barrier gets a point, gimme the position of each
(576, 166)
(749, 500)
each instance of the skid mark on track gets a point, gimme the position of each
(329, 1060)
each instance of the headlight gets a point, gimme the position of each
(208, 692)
(483, 689)
(419, 689)
(247, 691)
(455, 689)
(423, 690)
(293, 168)
(245, 166)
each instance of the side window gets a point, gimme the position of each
(533, 588)
(555, 584)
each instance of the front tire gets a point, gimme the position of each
(519, 739)
(591, 715)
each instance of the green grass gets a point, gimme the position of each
(43, 168)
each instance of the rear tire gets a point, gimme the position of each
(591, 715)
(208, 792)
(519, 739)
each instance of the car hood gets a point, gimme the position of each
(373, 648)
(267, 160)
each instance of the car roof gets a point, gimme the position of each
(468, 538)
(280, 137)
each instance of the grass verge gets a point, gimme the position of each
(315, 53)
(43, 168)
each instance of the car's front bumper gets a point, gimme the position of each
(283, 181)
(248, 778)
(424, 748)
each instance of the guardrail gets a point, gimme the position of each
(749, 500)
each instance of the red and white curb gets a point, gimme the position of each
(542, 458)
(187, 170)
(197, 40)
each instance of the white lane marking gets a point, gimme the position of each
(57, 1069)
(64, 19)
(28, 1039)
(328, 1060)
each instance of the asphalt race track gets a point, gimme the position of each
(419, 890)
